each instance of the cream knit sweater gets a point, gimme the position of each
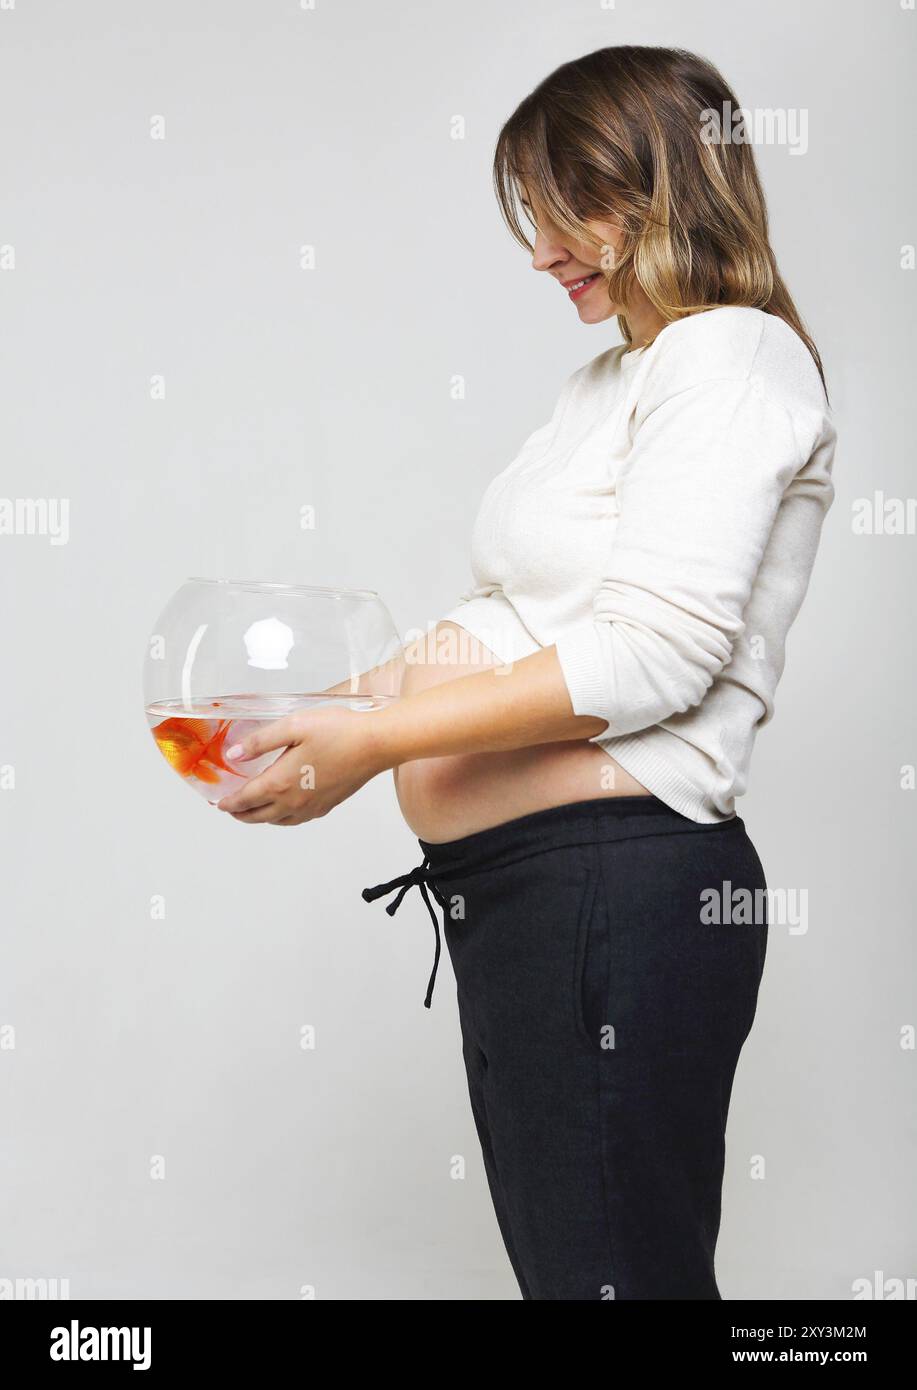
(660, 531)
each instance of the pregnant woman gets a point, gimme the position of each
(573, 735)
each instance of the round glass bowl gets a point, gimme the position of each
(227, 655)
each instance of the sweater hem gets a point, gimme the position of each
(662, 779)
(494, 622)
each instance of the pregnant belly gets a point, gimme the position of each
(446, 798)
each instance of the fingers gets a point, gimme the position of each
(268, 815)
(271, 787)
(260, 791)
(277, 734)
(261, 815)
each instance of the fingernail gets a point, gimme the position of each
(235, 751)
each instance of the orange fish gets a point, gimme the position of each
(194, 747)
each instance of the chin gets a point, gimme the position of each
(599, 315)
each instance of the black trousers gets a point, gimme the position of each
(607, 956)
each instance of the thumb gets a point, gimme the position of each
(278, 734)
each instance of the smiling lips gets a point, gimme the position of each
(575, 288)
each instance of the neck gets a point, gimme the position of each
(643, 322)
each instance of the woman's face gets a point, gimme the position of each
(571, 262)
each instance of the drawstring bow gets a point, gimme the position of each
(422, 879)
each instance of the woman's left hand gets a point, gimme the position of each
(330, 753)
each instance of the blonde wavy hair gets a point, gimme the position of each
(623, 134)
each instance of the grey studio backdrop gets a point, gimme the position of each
(254, 278)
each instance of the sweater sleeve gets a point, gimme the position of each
(698, 495)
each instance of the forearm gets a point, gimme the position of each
(491, 711)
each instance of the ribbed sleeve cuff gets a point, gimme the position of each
(579, 652)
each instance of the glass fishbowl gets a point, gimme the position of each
(229, 655)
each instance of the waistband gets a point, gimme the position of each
(596, 821)
(580, 822)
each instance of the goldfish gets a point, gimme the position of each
(194, 747)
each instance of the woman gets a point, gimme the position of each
(571, 765)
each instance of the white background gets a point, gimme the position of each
(330, 388)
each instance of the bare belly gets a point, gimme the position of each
(446, 798)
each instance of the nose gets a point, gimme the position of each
(547, 254)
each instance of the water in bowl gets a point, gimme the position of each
(193, 735)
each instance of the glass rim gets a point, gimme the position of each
(266, 586)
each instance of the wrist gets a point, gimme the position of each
(382, 741)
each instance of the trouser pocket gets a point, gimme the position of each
(590, 981)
